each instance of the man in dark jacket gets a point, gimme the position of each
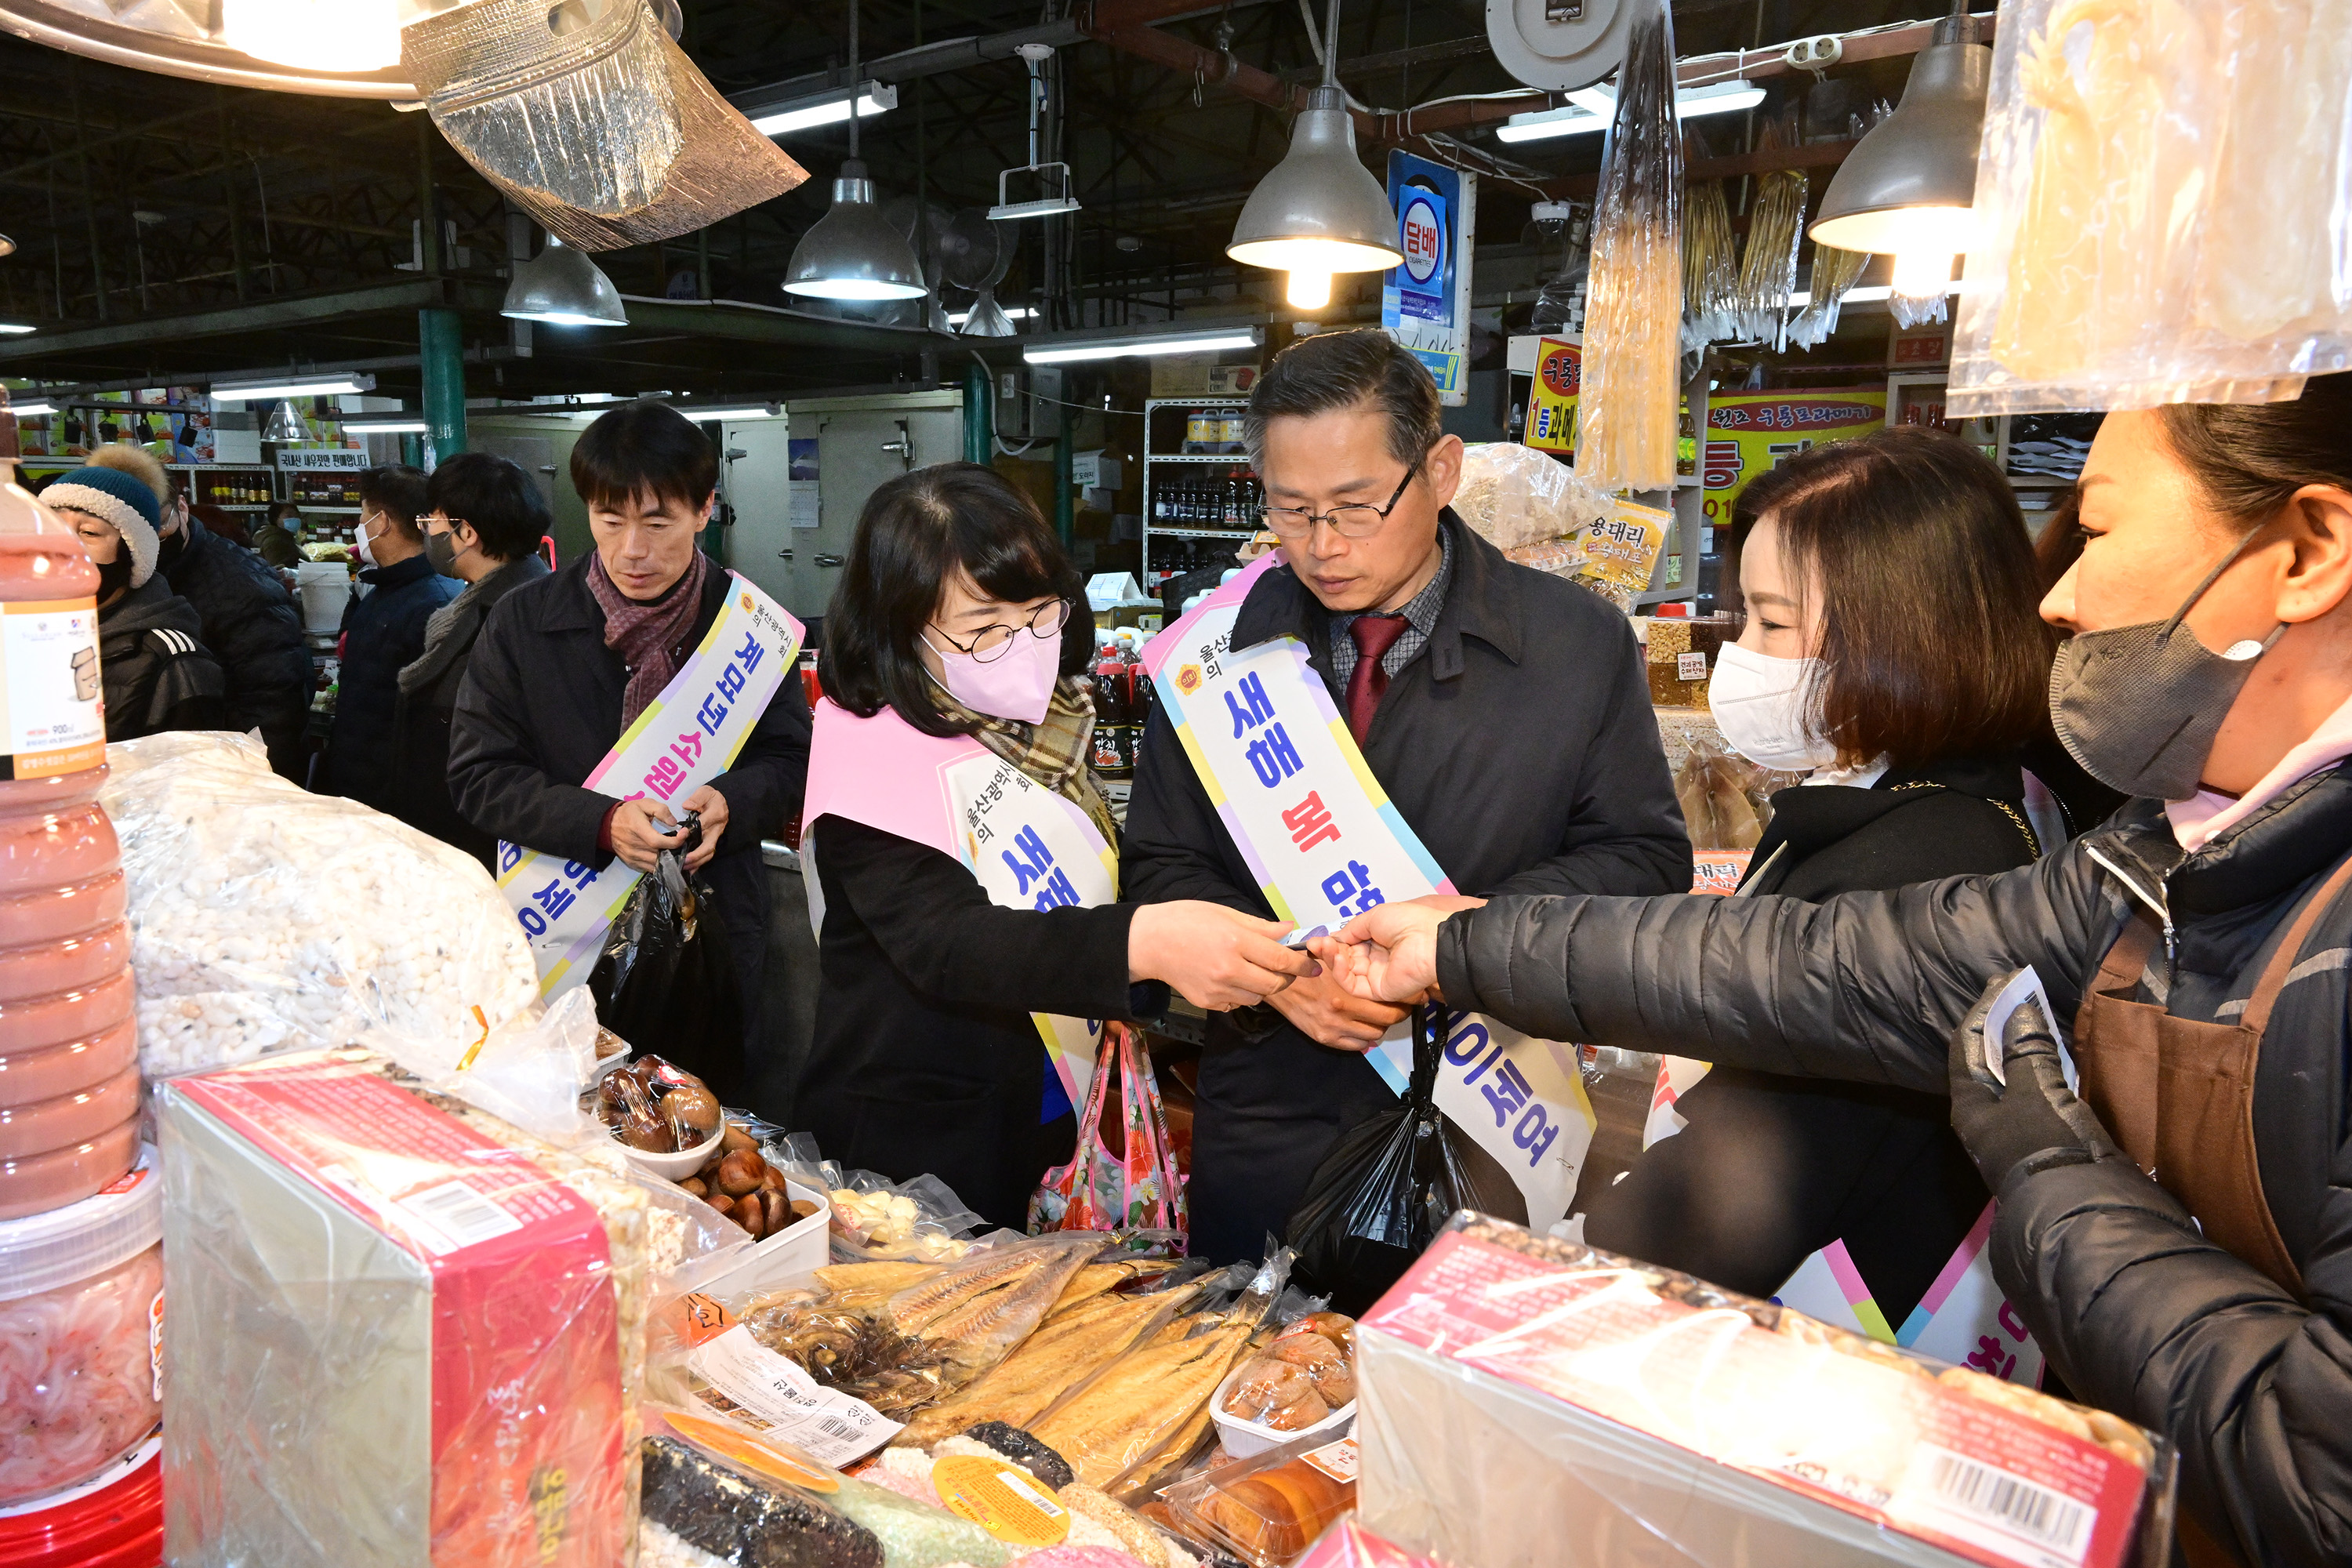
(1505, 712)
(484, 520)
(249, 620)
(550, 691)
(381, 632)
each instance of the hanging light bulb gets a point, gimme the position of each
(1308, 290)
(852, 252)
(1319, 210)
(315, 34)
(1919, 273)
(1909, 185)
(285, 424)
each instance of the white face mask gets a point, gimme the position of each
(1764, 706)
(367, 542)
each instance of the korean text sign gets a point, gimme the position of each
(686, 737)
(1553, 400)
(1425, 299)
(1752, 433)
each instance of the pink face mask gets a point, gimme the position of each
(1016, 684)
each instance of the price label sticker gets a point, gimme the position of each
(1690, 667)
(1015, 1507)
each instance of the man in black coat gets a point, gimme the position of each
(1505, 712)
(548, 689)
(381, 632)
(249, 620)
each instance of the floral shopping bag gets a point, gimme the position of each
(1129, 1194)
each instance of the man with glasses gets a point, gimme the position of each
(1504, 713)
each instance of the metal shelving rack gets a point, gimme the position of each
(1181, 460)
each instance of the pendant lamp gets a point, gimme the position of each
(314, 35)
(853, 252)
(561, 286)
(285, 424)
(1908, 187)
(1319, 211)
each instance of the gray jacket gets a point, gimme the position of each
(2138, 1312)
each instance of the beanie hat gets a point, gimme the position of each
(111, 496)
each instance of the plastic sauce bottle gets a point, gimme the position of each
(69, 1038)
(1114, 742)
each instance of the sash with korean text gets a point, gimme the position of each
(1325, 843)
(685, 738)
(1028, 847)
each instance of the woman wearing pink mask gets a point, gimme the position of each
(970, 940)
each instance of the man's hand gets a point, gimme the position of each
(638, 836)
(1217, 958)
(712, 808)
(1326, 1013)
(1389, 954)
(2033, 1122)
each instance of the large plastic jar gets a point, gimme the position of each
(68, 1074)
(81, 1321)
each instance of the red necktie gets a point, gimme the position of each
(1368, 682)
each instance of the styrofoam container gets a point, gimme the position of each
(794, 1250)
(678, 1166)
(1241, 1437)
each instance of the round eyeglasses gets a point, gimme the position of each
(988, 643)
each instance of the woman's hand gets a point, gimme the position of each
(1389, 954)
(1217, 958)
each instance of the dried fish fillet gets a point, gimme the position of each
(1135, 1405)
(1049, 1362)
(914, 1308)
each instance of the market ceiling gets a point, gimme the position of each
(174, 229)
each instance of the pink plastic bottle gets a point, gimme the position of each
(69, 1041)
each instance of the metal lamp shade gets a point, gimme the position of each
(852, 252)
(1910, 182)
(1319, 210)
(562, 286)
(987, 318)
(285, 424)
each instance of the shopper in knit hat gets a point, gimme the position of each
(157, 673)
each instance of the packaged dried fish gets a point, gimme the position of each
(1710, 265)
(1067, 1347)
(1768, 272)
(1633, 329)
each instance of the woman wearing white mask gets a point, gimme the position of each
(964, 854)
(1892, 653)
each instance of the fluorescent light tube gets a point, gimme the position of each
(873, 98)
(16, 329)
(32, 410)
(385, 426)
(1011, 313)
(264, 391)
(709, 415)
(1036, 353)
(1589, 110)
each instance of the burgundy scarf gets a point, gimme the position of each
(648, 636)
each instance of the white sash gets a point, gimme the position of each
(685, 738)
(1325, 842)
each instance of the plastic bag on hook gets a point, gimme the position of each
(591, 118)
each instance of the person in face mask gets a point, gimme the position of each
(1891, 653)
(2172, 1224)
(483, 520)
(961, 849)
(565, 664)
(157, 674)
(383, 629)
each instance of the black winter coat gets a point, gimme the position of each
(255, 632)
(2138, 1312)
(1773, 1168)
(925, 1057)
(154, 666)
(381, 633)
(1518, 745)
(427, 706)
(541, 706)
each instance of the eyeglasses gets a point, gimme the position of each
(1347, 522)
(989, 643)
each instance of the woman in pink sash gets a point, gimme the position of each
(956, 926)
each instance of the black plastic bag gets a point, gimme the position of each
(666, 982)
(1387, 1187)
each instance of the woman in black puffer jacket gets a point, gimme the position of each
(1890, 650)
(2210, 676)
